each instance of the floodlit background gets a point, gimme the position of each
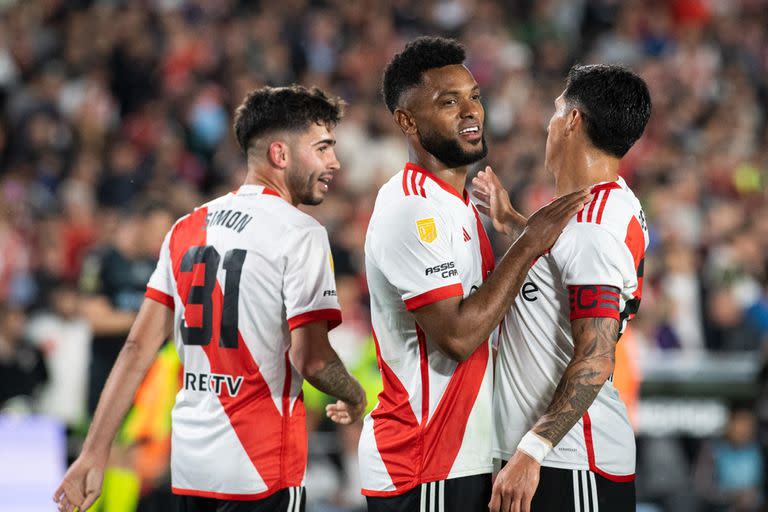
(115, 120)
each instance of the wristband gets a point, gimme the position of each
(534, 445)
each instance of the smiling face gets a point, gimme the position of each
(448, 115)
(313, 164)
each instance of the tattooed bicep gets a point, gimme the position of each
(595, 336)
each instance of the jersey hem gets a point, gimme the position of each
(333, 316)
(505, 456)
(223, 495)
(424, 480)
(160, 296)
(593, 469)
(432, 296)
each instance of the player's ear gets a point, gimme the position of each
(405, 121)
(574, 120)
(278, 154)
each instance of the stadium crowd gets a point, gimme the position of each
(115, 119)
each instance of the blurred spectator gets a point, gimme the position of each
(728, 328)
(22, 368)
(64, 338)
(730, 471)
(114, 279)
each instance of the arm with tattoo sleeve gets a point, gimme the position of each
(592, 364)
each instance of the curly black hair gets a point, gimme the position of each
(615, 105)
(291, 108)
(406, 68)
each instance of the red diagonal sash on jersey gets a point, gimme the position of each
(413, 451)
(635, 241)
(262, 430)
(396, 428)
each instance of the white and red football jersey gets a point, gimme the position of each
(240, 272)
(594, 269)
(425, 243)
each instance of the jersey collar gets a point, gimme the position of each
(609, 185)
(442, 184)
(245, 190)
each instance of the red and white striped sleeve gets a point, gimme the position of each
(161, 286)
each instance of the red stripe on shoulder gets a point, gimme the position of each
(422, 190)
(605, 186)
(602, 205)
(405, 182)
(592, 205)
(442, 184)
(600, 195)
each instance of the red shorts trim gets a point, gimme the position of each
(432, 296)
(591, 455)
(386, 494)
(161, 297)
(333, 316)
(224, 496)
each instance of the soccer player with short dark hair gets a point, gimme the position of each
(559, 421)
(434, 300)
(245, 285)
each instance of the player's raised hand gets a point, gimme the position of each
(345, 413)
(81, 485)
(494, 202)
(544, 226)
(515, 485)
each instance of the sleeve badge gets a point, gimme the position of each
(427, 230)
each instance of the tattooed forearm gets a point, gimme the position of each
(334, 380)
(592, 364)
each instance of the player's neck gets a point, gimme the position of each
(587, 169)
(455, 177)
(270, 182)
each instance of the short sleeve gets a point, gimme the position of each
(412, 248)
(161, 286)
(309, 286)
(595, 268)
(590, 255)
